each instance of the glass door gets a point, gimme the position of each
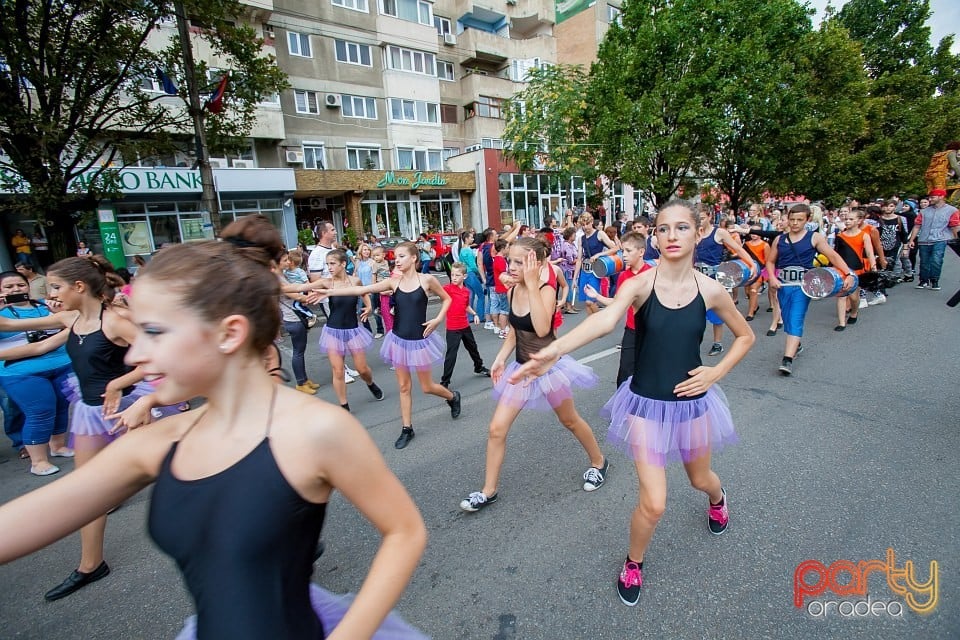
(550, 205)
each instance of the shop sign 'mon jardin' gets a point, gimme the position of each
(416, 181)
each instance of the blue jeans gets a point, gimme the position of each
(476, 293)
(931, 261)
(13, 419)
(298, 338)
(40, 397)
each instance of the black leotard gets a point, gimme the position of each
(96, 361)
(343, 312)
(528, 342)
(244, 540)
(411, 313)
(668, 346)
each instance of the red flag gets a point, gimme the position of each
(215, 103)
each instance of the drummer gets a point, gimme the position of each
(788, 258)
(706, 259)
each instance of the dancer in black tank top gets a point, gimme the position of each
(412, 344)
(242, 483)
(342, 334)
(670, 408)
(533, 303)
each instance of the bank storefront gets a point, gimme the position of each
(386, 203)
(157, 207)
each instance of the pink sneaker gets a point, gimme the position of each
(717, 516)
(628, 585)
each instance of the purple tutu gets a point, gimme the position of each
(546, 392)
(87, 420)
(661, 431)
(331, 608)
(413, 354)
(344, 341)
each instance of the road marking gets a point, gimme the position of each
(598, 355)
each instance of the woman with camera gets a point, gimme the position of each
(34, 371)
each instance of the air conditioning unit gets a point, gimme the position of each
(217, 163)
(318, 203)
(268, 31)
(333, 100)
(294, 157)
(243, 164)
(450, 39)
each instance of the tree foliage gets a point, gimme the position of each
(73, 100)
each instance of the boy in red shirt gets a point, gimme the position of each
(633, 244)
(458, 327)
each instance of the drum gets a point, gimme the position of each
(606, 266)
(708, 270)
(736, 273)
(824, 282)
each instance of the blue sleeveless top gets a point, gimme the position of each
(795, 254)
(709, 251)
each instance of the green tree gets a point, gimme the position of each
(74, 102)
(546, 125)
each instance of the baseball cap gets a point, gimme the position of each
(938, 192)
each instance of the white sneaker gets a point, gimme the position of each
(878, 299)
(490, 326)
(863, 303)
(351, 372)
(347, 378)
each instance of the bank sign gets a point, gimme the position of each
(138, 180)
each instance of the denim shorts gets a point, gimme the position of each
(499, 304)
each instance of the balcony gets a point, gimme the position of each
(486, 50)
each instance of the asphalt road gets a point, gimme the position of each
(853, 455)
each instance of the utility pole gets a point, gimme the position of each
(208, 200)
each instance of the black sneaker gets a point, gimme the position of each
(908, 278)
(593, 477)
(629, 583)
(921, 285)
(476, 501)
(482, 371)
(406, 435)
(786, 367)
(935, 285)
(375, 390)
(454, 403)
(716, 349)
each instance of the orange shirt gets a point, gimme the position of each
(855, 242)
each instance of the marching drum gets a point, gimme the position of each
(824, 282)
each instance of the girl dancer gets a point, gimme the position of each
(854, 245)
(342, 334)
(672, 411)
(412, 344)
(532, 306)
(243, 483)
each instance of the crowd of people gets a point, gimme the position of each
(255, 463)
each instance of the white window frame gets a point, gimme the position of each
(300, 39)
(424, 159)
(307, 97)
(443, 64)
(407, 60)
(370, 149)
(449, 152)
(368, 106)
(154, 82)
(422, 5)
(354, 50)
(311, 156)
(353, 5)
(614, 14)
(415, 108)
(442, 25)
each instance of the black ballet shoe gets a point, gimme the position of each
(840, 327)
(852, 320)
(769, 309)
(76, 581)
(750, 318)
(771, 332)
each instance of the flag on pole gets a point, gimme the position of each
(168, 86)
(215, 103)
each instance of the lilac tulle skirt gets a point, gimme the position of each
(548, 391)
(413, 354)
(88, 420)
(331, 608)
(661, 431)
(344, 341)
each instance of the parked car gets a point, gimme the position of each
(389, 244)
(441, 243)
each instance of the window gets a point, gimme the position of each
(491, 143)
(299, 44)
(614, 14)
(419, 159)
(449, 152)
(409, 10)
(363, 157)
(414, 110)
(488, 107)
(270, 99)
(150, 84)
(442, 25)
(356, 5)
(359, 107)
(353, 53)
(412, 61)
(313, 157)
(307, 101)
(448, 113)
(520, 68)
(445, 71)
